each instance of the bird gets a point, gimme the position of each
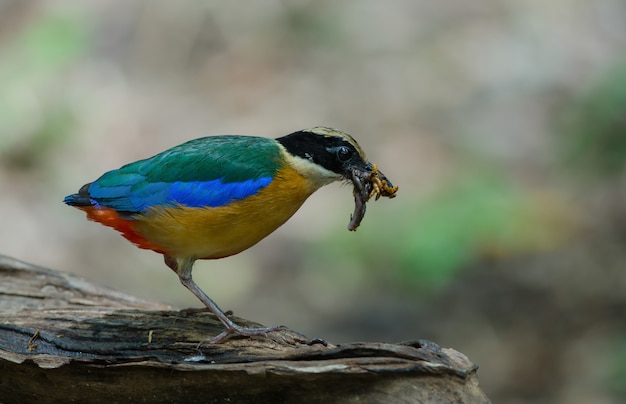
(216, 196)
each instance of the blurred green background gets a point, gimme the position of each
(503, 123)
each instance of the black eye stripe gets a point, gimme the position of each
(330, 152)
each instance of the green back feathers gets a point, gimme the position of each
(226, 158)
(205, 172)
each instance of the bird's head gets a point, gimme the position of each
(325, 155)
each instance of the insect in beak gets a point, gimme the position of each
(368, 184)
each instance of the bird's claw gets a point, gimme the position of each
(285, 336)
(238, 330)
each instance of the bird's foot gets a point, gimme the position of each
(195, 310)
(234, 329)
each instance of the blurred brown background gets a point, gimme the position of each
(503, 122)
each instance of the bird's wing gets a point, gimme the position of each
(205, 172)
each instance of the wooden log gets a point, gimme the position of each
(64, 339)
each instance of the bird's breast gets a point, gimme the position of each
(216, 232)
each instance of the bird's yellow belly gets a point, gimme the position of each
(205, 233)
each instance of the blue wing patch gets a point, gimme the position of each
(135, 194)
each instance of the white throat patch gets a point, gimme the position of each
(316, 174)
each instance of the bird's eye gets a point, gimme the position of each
(344, 153)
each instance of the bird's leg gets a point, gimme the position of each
(183, 268)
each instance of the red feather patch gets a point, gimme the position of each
(109, 217)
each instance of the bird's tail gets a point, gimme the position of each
(123, 222)
(82, 198)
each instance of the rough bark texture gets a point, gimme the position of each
(64, 339)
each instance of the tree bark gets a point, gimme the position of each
(64, 339)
